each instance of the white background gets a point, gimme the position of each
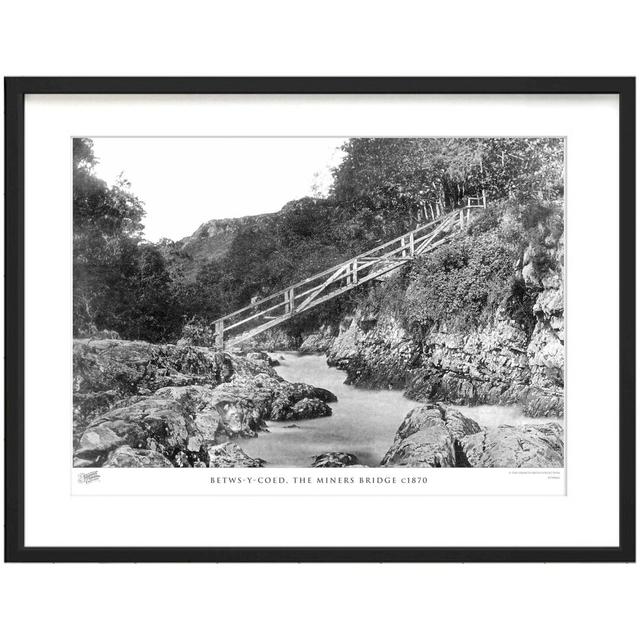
(331, 38)
(53, 517)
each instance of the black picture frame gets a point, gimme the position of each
(15, 91)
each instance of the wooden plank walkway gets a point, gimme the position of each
(283, 305)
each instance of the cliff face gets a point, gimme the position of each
(211, 241)
(499, 362)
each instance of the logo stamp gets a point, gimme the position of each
(88, 477)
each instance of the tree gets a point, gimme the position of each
(389, 184)
(382, 188)
(151, 311)
(116, 284)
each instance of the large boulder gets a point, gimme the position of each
(153, 423)
(310, 408)
(262, 356)
(509, 446)
(179, 422)
(278, 399)
(427, 438)
(336, 459)
(435, 436)
(284, 409)
(319, 342)
(306, 390)
(127, 457)
(230, 454)
(99, 439)
(106, 371)
(272, 398)
(223, 410)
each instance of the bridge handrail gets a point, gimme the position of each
(326, 272)
(346, 275)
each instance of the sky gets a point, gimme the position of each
(184, 182)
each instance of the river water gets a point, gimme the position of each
(364, 422)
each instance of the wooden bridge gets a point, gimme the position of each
(279, 307)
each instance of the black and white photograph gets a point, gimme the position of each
(295, 302)
(320, 320)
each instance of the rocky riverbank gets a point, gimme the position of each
(434, 436)
(501, 361)
(142, 405)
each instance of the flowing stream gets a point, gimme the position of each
(364, 422)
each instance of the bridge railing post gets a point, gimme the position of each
(412, 244)
(289, 300)
(219, 334)
(354, 272)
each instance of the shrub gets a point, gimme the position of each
(462, 283)
(198, 333)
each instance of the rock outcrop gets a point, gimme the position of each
(319, 342)
(499, 362)
(495, 364)
(302, 410)
(262, 356)
(176, 402)
(434, 436)
(507, 446)
(230, 454)
(429, 436)
(158, 423)
(545, 351)
(106, 371)
(276, 339)
(336, 459)
(212, 240)
(127, 457)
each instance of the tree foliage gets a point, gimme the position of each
(382, 188)
(118, 283)
(463, 283)
(388, 185)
